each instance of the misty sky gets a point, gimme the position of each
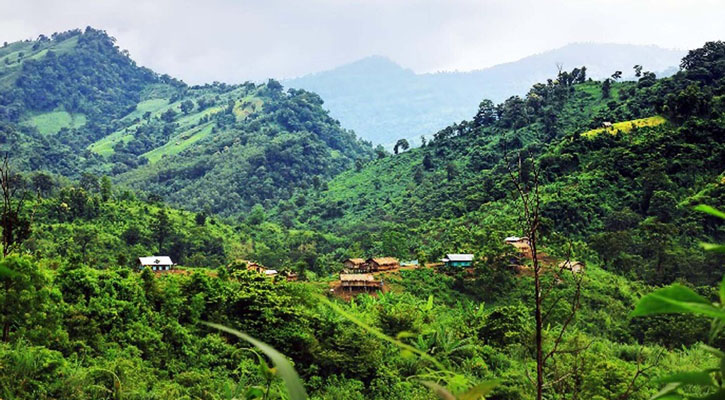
(234, 41)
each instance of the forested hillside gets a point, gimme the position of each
(75, 103)
(258, 196)
(625, 191)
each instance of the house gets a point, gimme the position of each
(156, 263)
(522, 244)
(355, 265)
(606, 124)
(382, 263)
(255, 267)
(458, 260)
(359, 282)
(270, 273)
(571, 265)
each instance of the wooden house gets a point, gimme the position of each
(382, 263)
(353, 265)
(458, 260)
(255, 267)
(360, 282)
(156, 263)
(522, 244)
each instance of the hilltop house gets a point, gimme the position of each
(359, 281)
(458, 260)
(155, 263)
(355, 265)
(382, 263)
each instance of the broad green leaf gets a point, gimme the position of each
(719, 395)
(667, 392)
(716, 352)
(676, 299)
(710, 210)
(429, 304)
(717, 248)
(439, 390)
(478, 391)
(697, 378)
(722, 291)
(284, 368)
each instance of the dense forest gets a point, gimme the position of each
(117, 163)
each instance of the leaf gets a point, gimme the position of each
(285, 370)
(722, 291)
(697, 378)
(717, 248)
(429, 304)
(710, 210)
(439, 390)
(667, 392)
(405, 334)
(716, 352)
(478, 391)
(676, 299)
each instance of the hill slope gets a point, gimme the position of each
(384, 102)
(76, 103)
(625, 192)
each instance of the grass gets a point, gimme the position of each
(179, 143)
(626, 126)
(52, 122)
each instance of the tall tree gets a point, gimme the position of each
(525, 178)
(401, 144)
(15, 226)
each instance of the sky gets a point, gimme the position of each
(238, 40)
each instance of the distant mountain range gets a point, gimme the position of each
(383, 101)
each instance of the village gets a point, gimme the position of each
(367, 275)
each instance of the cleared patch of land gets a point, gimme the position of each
(626, 126)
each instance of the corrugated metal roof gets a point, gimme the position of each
(459, 257)
(155, 260)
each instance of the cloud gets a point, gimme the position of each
(238, 40)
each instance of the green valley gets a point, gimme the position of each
(171, 241)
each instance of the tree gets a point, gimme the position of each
(24, 295)
(380, 152)
(637, 70)
(606, 88)
(89, 182)
(161, 228)
(200, 218)
(42, 183)
(187, 106)
(168, 115)
(486, 114)
(401, 144)
(528, 195)
(617, 75)
(15, 227)
(106, 188)
(427, 162)
(451, 171)
(422, 141)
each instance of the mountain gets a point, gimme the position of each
(383, 102)
(74, 103)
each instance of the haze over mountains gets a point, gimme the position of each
(383, 101)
